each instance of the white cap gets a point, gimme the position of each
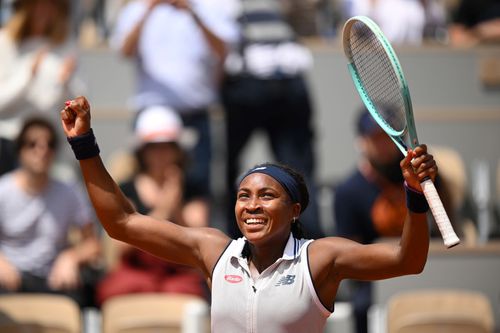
(158, 124)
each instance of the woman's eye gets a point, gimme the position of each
(242, 195)
(268, 195)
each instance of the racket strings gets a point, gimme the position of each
(378, 76)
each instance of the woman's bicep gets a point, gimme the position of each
(367, 262)
(171, 242)
(340, 258)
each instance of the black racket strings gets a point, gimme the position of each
(377, 75)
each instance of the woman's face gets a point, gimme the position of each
(37, 150)
(158, 156)
(263, 209)
(43, 14)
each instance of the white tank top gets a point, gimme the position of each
(282, 299)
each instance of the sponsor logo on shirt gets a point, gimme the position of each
(285, 280)
(233, 278)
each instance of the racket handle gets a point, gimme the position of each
(443, 222)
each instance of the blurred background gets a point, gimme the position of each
(450, 53)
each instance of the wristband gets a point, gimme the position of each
(84, 146)
(415, 201)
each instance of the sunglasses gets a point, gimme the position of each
(33, 144)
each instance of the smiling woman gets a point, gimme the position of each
(252, 277)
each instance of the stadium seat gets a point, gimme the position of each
(39, 313)
(442, 311)
(155, 312)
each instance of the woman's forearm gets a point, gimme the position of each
(414, 244)
(111, 206)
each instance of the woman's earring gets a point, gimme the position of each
(294, 219)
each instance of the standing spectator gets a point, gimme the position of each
(37, 213)
(37, 63)
(264, 89)
(402, 21)
(90, 14)
(178, 47)
(474, 22)
(158, 190)
(369, 204)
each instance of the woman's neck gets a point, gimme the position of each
(263, 256)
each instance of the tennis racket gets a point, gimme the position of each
(379, 80)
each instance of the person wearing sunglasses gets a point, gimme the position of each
(37, 212)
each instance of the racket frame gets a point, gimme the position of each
(409, 131)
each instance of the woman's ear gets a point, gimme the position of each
(296, 210)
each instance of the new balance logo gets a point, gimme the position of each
(285, 280)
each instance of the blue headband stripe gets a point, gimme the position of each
(286, 180)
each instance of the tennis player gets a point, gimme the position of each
(270, 280)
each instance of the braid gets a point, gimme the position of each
(297, 230)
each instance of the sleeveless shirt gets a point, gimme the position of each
(282, 299)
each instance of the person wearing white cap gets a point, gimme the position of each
(158, 190)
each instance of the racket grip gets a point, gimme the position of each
(449, 236)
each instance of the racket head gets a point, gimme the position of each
(378, 77)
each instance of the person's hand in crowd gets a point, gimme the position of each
(170, 196)
(489, 31)
(38, 59)
(68, 67)
(180, 4)
(65, 272)
(10, 278)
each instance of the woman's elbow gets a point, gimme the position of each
(414, 266)
(115, 228)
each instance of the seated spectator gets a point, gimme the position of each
(37, 214)
(475, 22)
(158, 189)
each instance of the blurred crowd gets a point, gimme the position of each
(246, 56)
(449, 22)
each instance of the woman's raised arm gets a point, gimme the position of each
(195, 247)
(334, 259)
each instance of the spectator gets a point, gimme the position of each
(402, 21)
(158, 190)
(91, 14)
(37, 63)
(474, 22)
(37, 213)
(264, 89)
(178, 48)
(369, 204)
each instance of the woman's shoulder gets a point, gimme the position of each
(329, 245)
